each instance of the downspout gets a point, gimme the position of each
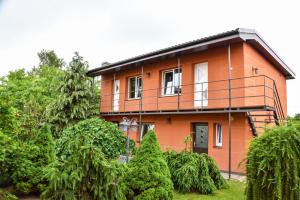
(179, 84)
(229, 113)
(113, 95)
(141, 99)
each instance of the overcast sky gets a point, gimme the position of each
(106, 30)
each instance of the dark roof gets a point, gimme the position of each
(236, 35)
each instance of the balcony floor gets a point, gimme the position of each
(192, 111)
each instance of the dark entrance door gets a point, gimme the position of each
(200, 139)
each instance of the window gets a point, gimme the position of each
(145, 128)
(135, 87)
(218, 134)
(171, 82)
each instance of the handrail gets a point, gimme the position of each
(242, 90)
(278, 105)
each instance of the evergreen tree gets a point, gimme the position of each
(77, 96)
(148, 176)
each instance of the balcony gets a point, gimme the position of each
(245, 94)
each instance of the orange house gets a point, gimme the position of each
(221, 90)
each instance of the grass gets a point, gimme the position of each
(235, 192)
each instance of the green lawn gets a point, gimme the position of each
(235, 192)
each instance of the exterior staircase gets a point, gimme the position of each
(273, 116)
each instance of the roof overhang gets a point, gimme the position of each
(238, 35)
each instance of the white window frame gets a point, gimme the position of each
(219, 134)
(173, 84)
(142, 128)
(136, 89)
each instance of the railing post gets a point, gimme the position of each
(100, 104)
(157, 95)
(124, 102)
(274, 98)
(112, 102)
(265, 91)
(202, 96)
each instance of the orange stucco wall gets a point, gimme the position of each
(171, 130)
(152, 100)
(253, 59)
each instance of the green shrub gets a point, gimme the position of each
(84, 169)
(194, 172)
(273, 169)
(148, 175)
(7, 196)
(105, 135)
(22, 163)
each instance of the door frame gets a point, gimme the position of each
(199, 150)
(199, 101)
(116, 104)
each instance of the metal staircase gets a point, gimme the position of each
(258, 120)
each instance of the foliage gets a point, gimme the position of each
(187, 142)
(76, 100)
(273, 169)
(104, 135)
(194, 172)
(21, 163)
(82, 170)
(148, 176)
(24, 97)
(7, 196)
(49, 58)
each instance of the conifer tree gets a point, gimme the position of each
(148, 176)
(77, 96)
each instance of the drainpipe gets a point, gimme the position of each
(229, 113)
(140, 106)
(179, 89)
(112, 96)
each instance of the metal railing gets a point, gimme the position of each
(246, 92)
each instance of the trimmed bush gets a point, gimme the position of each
(98, 132)
(83, 169)
(148, 175)
(22, 163)
(273, 169)
(194, 172)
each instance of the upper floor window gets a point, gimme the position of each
(171, 82)
(218, 134)
(135, 87)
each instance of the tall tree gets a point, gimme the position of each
(25, 96)
(49, 58)
(76, 100)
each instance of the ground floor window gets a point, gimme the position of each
(218, 134)
(145, 128)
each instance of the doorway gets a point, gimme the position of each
(116, 95)
(200, 137)
(201, 85)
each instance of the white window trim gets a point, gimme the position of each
(219, 144)
(163, 81)
(142, 128)
(136, 87)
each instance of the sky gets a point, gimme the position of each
(108, 30)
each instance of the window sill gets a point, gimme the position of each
(131, 99)
(218, 147)
(169, 95)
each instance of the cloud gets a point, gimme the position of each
(111, 30)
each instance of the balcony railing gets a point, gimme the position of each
(246, 92)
